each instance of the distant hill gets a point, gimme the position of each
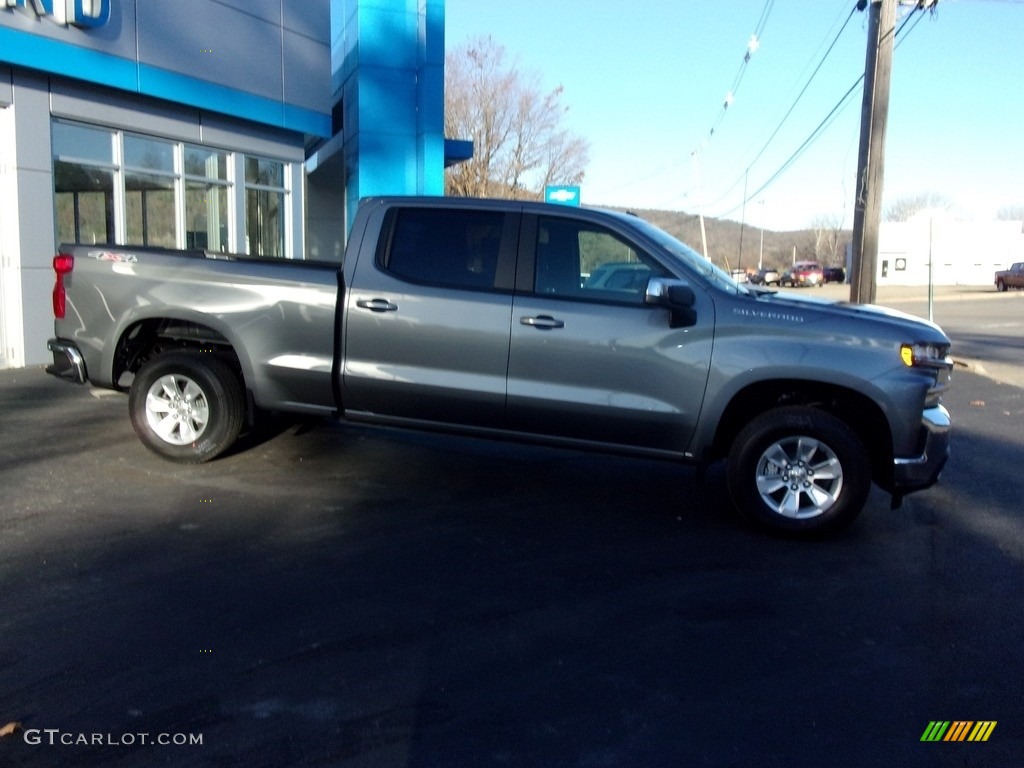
(781, 249)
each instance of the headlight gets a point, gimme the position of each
(934, 358)
(931, 355)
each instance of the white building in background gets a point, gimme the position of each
(957, 252)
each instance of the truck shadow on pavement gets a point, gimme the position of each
(350, 596)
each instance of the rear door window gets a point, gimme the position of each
(451, 248)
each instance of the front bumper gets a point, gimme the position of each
(919, 472)
(68, 363)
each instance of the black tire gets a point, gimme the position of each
(187, 408)
(1000, 285)
(799, 470)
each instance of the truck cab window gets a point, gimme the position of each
(578, 260)
(453, 248)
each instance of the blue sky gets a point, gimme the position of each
(645, 84)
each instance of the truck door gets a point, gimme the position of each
(428, 318)
(589, 359)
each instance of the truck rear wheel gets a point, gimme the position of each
(799, 470)
(186, 407)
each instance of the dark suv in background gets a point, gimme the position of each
(834, 274)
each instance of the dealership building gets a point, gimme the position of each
(243, 126)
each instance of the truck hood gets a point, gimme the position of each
(851, 310)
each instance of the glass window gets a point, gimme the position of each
(452, 248)
(84, 199)
(265, 197)
(84, 183)
(206, 216)
(150, 210)
(115, 187)
(206, 199)
(81, 143)
(579, 260)
(140, 152)
(207, 163)
(264, 224)
(267, 173)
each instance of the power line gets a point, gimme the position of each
(820, 128)
(753, 43)
(785, 117)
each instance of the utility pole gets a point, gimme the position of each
(700, 204)
(867, 212)
(743, 220)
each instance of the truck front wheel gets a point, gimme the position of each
(186, 407)
(799, 470)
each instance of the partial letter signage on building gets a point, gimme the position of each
(78, 13)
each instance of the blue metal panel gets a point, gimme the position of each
(193, 52)
(388, 66)
(213, 42)
(306, 66)
(387, 100)
(268, 10)
(388, 38)
(60, 58)
(188, 90)
(306, 121)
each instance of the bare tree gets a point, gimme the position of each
(828, 230)
(1010, 213)
(905, 208)
(519, 144)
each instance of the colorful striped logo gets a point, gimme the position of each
(958, 730)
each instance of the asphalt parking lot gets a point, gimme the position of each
(338, 596)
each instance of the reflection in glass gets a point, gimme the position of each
(207, 163)
(206, 216)
(264, 222)
(149, 210)
(268, 173)
(81, 143)
(84, 202)
(148, 153)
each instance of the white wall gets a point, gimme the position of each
(958, 252)
(10, 261)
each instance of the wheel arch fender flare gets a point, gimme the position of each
(859, 409)
(157, 315)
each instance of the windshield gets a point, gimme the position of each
(689, 257)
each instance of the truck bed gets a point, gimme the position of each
(277, 315)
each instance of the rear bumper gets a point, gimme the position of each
(919, 472)
(68, 362)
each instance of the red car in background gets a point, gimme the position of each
(804, 273)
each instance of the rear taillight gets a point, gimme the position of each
(63, 263)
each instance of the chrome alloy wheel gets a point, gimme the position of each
(799, 477)
(177, 409)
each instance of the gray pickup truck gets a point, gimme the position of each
(566, 326)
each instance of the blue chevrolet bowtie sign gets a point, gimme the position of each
(562, 195)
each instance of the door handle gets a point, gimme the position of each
(544, 322)
(377, 305)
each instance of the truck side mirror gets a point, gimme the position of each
(676, 296)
